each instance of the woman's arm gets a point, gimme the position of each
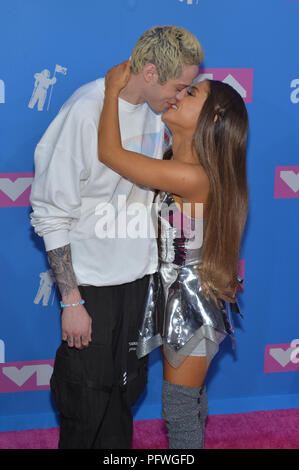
(172, 176)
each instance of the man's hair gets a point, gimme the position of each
(168, 48)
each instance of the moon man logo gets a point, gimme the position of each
(47, 282)
(190, 2)
(41, 85)
(2, 92)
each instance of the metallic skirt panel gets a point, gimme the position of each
(179, 317)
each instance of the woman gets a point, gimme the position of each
(196, 282)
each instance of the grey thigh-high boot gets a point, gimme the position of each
(184, 410)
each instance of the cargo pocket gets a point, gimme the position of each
(81, 383)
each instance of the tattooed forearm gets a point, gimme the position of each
(60, 261)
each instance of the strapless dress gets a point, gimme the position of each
(176, 314)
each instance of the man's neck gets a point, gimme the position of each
(133, 91)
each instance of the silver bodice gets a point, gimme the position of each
(177, 314)
(180, 236)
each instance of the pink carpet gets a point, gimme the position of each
(278, 429)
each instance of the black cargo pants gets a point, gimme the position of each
(94, 388)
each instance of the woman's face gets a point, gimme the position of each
(185, 113)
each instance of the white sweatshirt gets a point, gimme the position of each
(71, 191)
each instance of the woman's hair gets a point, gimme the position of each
(220, 140)
(168, 48)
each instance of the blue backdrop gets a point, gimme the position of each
(252, 45)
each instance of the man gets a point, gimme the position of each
(103, 281)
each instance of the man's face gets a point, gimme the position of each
(184, 115)
(161, 97)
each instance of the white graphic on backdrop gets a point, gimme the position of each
(2, 91)
(190, 2)
(229, 79)
(2, 351)
(20, 376)
(284, 357)
(14, 189)
(295, 93)
(47, 282)
(41, 85)
(291, 179)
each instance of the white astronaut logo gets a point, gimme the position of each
(41, 85)
(47, 281)
(190, 2)
(2, 92)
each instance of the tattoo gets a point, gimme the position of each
(60, 261)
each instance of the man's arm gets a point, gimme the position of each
(75, 321)
(62, 161)
(60, 260)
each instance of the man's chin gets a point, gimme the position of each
(157, 109)
(163, 117)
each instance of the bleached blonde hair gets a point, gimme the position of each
(168, 48)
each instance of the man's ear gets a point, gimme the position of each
(150, 73)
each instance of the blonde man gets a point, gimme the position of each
(103, 280)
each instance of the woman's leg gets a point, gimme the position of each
(191, 373)
(184, 402)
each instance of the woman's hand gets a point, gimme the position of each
(117, 77)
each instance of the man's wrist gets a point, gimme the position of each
(72, 298)
(63, 305)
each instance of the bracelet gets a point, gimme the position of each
(72, 305)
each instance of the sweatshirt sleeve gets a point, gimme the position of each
(62, 165)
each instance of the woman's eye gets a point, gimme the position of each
(189, 93)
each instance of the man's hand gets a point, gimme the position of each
(76, 326)
(117, 77)
(75, 321)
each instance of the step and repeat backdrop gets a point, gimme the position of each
(50, 48)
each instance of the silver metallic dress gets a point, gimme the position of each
(176, 314)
